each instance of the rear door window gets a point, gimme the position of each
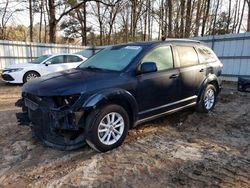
(57, 60)
(187, 55)
(72, 59)
(162, 56)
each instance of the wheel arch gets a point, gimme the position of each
(211, 79)
(28, 72)
(114, 96)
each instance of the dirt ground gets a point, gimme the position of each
(185, 149)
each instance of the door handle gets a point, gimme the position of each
(202, 70)
(174, 76)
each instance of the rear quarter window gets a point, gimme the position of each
(187, 55)
(206, 55)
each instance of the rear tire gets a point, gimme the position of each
(207, 100)
(30, 76)
(107, 127)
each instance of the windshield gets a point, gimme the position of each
(88, 52)
(40, 59)
(113, 58)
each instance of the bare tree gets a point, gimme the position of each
(198, 17)
(241, 17)
(31, 20)
(6, 15)
(188, 18)
(182, 27)
(248, 18)
(205, 16)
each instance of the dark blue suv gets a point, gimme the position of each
(118, 88)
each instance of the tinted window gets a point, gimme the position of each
(187, 55)
(162, 56)
(72, 58)
(57, 59)
(206, 55)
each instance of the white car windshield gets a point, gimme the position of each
(40, 59)
(114, 58)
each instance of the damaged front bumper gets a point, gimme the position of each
(59, 127)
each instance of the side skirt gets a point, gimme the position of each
(164, 113)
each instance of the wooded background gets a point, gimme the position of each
(102, 22)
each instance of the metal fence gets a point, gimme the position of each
(233, 50)
(20, 52)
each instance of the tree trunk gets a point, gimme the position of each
(236, 16)
(188, 19)
(241, 17)
(84, 40)
(183, 2)
(100, 22)
(205, 16)
(161, 22)
(177, 27)
(52, 22)
(170, 22)
(197, 19)
(248, 18)
(41, 21)
(229, 15)
(215, 17)
(145, 23)
(149, 20)
(31, 20)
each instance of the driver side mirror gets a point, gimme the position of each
(47, 63)
(147, 67)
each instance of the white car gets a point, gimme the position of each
(46, 64)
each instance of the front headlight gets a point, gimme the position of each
(61, 101)
(14, 70)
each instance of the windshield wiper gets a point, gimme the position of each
(91, 67)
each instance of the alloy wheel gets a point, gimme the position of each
(111, 128)
(209, 99)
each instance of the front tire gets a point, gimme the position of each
(208, 99)
(107, 127)
(30, 76)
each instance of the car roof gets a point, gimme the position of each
(61, 54)
(168, 40)
(97, 47)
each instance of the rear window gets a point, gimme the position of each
(206, 55)
(187, 55)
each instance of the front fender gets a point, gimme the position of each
(106, 96)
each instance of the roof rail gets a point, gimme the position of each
(182, 40)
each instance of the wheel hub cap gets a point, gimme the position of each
(111, 128)
(209, 99)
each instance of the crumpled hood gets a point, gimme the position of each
(70, 82)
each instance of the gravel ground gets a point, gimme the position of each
(185, 149)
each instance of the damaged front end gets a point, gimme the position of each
(58, 121)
